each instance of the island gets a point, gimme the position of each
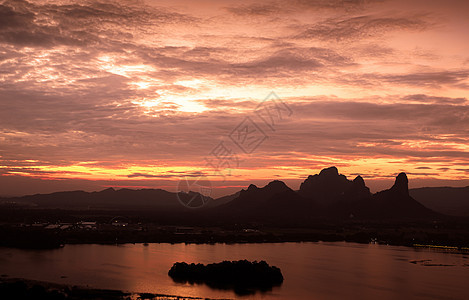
(243, 276)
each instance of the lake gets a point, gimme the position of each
(311, 270)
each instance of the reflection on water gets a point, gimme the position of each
(311, 270)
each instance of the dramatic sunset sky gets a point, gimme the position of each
(139, 93)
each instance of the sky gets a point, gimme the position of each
(149, 94)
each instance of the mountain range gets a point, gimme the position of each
(325, 195)
(328, 194)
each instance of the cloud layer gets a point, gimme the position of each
(139, 93)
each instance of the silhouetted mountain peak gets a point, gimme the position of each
(358, 181)
(277, 186)
(358, 189)
(401, 185)
(108, 190)
(255, 195)
(326, 186)
(252, 187)
(396, 202)
(273, 187)
(329, 172)
(274, 199)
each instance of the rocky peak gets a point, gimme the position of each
(358, 181)
(277, 185)
(326, 186)
(252, 187)
(401, 184)
(329, 172)
(358, 190)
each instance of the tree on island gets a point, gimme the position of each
(243, 276)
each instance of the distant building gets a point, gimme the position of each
(87, 223)
(52, 226)
(120, 224)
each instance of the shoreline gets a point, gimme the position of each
(33, 238)
(73, 291)
(436, 248)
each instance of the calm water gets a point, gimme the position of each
(311, 270)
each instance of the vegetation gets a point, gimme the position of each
(242, 276)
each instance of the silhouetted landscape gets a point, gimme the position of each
(235, 149)
(273, 213)
(327, 194)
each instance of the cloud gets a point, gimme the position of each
(50, 128)
(432, 99)
(434, 79)
(365, 129)
(27, 24)
(103, 85)
(428, 79)
(362, 27)
(336, 4)
(171, 175)
(285, 63)
(9, 18)
(255, 9)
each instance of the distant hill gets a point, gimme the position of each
(223, 200)
(447, 200)
(110, 198)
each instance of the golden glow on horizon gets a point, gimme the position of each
(369, 168)
(379, 87)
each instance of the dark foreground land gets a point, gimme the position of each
(327, 207)
(21, 289)
(54, 228)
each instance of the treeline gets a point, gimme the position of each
(243, 276)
